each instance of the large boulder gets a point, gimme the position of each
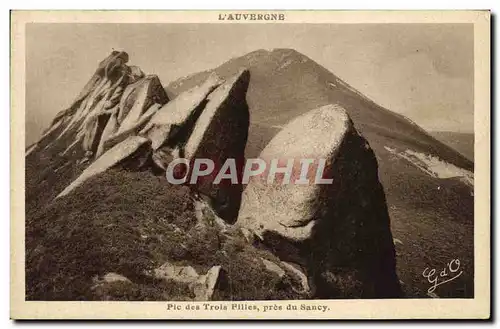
(343, 225)
(220, 133)
(179, 115)
(292, 207)
(130, 148)
(138, 98)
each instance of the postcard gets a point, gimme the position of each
(250, 165)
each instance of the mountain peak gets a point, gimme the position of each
(105, 163)
(276, 55)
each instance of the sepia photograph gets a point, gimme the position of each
(241, 162)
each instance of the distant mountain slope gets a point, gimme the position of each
(432, 217)
(462, 142)
(286, 83)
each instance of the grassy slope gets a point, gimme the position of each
(128, 223)
(98, 229)
(435, 225)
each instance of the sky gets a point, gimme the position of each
(423, 71)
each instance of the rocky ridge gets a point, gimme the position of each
(331, 241)
(426, 183)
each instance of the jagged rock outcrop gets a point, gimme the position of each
(111, 103)
(130, 149)
(174, 120)
(121, 110)
(112, 135)
(220, 133)
(124, 118)
(138, 98)
(291, 209)
(138, 104)
(208, 121)
(309, 241)
(112, 67)
(108, 131)
(342, 227)
(93, 130)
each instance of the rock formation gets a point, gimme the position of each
(168, 123)
(113, 135)
(220, 133)
(101, 93)
(137, 104)
(300, 277)
(121, 108)
(138, 98)
(123, 151)
(329, 240)
(272, 267)
(342, 227)
(111, 102)
(293, 207)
